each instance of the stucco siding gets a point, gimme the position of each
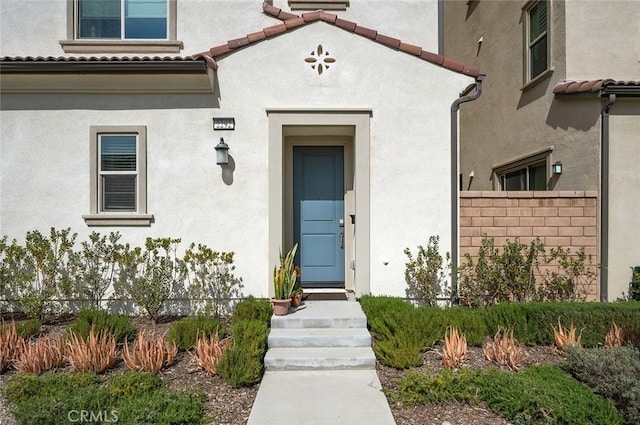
(603, 39)
(624, 195)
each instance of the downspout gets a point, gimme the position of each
(604, 200)
(455, 106)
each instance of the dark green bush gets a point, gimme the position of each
(129, 398)
(252, 308)
(28, 328)
(611, 372)
(242, 364)
(119, 326)
(537, 395)
(184, 333)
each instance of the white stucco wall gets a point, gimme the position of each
(45, 151)
(624, 195)
(602, 39)
(35, 27)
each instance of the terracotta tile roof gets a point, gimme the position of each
(590, 86)
(100, 64)
(291, 21)
(97, 59)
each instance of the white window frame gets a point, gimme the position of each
(533, 159)
(98, 217)
(73, 44)
(530, 80)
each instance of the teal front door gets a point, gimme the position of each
(318, 213)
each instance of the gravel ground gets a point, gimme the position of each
(231, 406)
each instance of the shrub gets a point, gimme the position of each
(425, 274)
(128, 398)
(251, 308)
(149, 354)
(634, 285)
(119, 326)
(184, 333)
(37, 274)
(399, 338)
(148, 277)
(242, 364)
(93, 268)
(536, 395)
(95, 354)
(210, 277)
(614, 373)
(28, 328)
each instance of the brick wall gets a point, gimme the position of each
(565, 218)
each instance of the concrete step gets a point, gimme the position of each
(323, 314)
(319, 358)
(320, 337)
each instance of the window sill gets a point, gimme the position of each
(121, 46)
(537, 80)
(118, 219)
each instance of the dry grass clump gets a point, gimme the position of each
(454, 352)
(614, 337)
(208, 352)
(504, 350)
(149, 354)
(96, 354)
(566, 337)
(45, 353)
(9, 341)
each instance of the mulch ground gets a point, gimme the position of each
(231, 406)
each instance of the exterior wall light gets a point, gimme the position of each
(557, 167)
(224, 124)
(222, 153)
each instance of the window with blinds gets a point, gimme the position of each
(118, 173)
(537, 40)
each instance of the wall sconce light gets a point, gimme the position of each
(557, 167)
(224, 124)
(222, 153)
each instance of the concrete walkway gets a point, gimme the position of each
(314, 378)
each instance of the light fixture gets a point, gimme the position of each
(222, 153)
(224, 123)
(557, 167)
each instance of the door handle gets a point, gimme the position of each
(341, 239)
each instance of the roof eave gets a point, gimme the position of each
(89, 66)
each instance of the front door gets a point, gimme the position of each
(318, 213)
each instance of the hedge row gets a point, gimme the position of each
(403, 331)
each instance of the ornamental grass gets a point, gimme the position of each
(9, 341)
(566, 337)
(504, 350)
(45, 353)
(614, 337)
(454, 352)
(95, 354)
(149, 354)
(209, 351)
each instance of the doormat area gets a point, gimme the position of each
(325, 296)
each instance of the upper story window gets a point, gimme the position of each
(122, 19)
(121, 26)
(537, 39)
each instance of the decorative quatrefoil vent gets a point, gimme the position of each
(320, 60)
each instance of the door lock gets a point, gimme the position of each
(341, 239)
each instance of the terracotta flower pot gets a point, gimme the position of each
(281, 307)
(296, 300)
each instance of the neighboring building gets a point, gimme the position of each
(341, 140)
(563, 86)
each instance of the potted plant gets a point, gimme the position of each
(284, 279)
